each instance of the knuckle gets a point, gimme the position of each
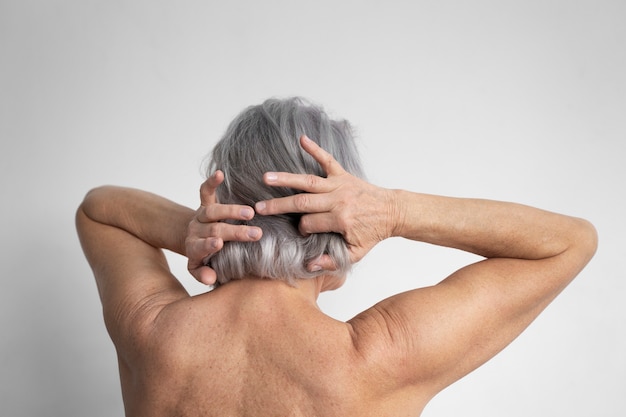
(207, 245)
(211, 211)
(301, 202)
(242, 234)
(305, 224)
(311, 181)
(204, 214)
(345, 223)
(205, 188)
(327, 161)
(213, 229)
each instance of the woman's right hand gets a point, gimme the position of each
(362, 213)
(207, 231)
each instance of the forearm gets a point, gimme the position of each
(151, 218)
(487, 228)
(365, 214)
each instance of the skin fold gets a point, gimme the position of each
(258, 347)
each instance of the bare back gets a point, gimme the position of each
(246, 350)
(261, 347)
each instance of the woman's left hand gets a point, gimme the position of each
(207, 231)
(362, 213)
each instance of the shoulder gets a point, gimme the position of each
(407, 338)
(379, 342)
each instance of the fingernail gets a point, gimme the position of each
(246, 212)
(253, 233)
(315, 268)
(260, 206)
(271, 176)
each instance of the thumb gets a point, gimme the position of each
(323, 263)
(207, 189)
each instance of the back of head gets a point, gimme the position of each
(266, 138)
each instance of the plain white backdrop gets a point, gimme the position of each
(512, 100)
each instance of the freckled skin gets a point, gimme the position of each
(257, 347)
(242, 351)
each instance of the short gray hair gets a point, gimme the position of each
(265, 138)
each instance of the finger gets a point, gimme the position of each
(299, 203)
(204, 274)
(228, 232)
(218, 212)
(318, 223)
(207, 275)
(304, 182)
(328, 163)
(323, 263)
(207, 189)
(197, 250)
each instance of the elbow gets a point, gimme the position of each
(96, 193)
(94, 205)
(586, 239)
(86, 204)
(86, 207)
(95, 199)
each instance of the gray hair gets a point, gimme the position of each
(265, 138)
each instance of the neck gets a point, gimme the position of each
(272, 291)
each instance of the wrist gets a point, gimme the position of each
(396, 213)
(412, 215)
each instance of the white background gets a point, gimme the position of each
(521, 101)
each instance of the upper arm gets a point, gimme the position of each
(436, 335)
(133, 278)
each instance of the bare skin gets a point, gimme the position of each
(263, 348)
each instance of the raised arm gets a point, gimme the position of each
(433, 336)
(122, 232)
(454, 327)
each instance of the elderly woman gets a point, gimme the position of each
(258, 345)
